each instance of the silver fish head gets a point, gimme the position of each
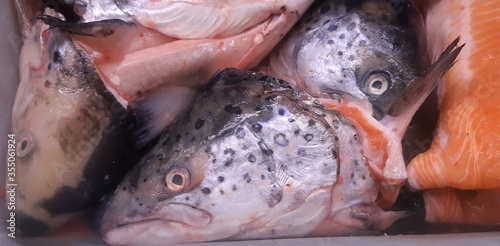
(367, 57)
(364, 49)
(250, 158)
(65, 124)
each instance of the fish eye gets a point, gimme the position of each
(377, 83)
(26, 145)
(177, 179)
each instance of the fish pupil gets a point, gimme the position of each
(177, 179)
(377, 84)
(24, 144)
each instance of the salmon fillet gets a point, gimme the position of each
(448, 205)
(465, 152)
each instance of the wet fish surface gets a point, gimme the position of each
(71, 133)
(250, 158)
(340, 47)
(154, 55)
(367, 59)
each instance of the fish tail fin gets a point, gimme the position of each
(157, 110)
(416, 93)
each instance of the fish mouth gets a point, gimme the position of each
(172, 213)
(171, 223)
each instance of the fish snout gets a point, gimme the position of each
(185, 214)
(174, 221)
(110, 217)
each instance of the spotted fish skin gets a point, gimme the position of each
(71, 133)
(367, 59)
(338, 45)
(254, 158)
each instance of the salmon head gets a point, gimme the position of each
(250, 158)
(368, 60)
(154, 55)
(191, 40)
(69, 132)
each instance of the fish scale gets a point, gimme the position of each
(255, 158)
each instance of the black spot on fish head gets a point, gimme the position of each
(56, 57)
(228, 162)
(206, 190)
(333, 27)
(229, 151)
(281, 111)
(264, 148)
(240, 133)
(311, 122)
(233, 109)
(199, 124)
(351, 26)
(257, 127)
(301, 152)
(280, 139)
(274, 196)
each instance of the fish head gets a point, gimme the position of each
(183, 201)
(61, 115)
(368, 60)
(348, 49)
(37, 148)
(248, 155)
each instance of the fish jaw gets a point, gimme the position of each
(165, 224)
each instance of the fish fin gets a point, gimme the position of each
(98, 29)
(108, 37)
(157, 110)
(416, 93)
(418, 25)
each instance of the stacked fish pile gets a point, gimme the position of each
(186, 121)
